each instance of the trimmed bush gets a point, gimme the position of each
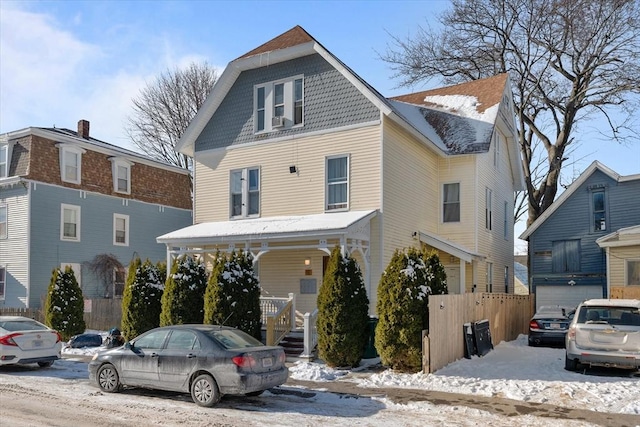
(64, 306)
(402, 307)
(142, 298)
(343, 308)
(183, 296)
(232, 297)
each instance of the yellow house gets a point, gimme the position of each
(294, 153)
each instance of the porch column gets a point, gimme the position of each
(463, 279)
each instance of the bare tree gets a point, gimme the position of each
(164, 109)
(568, 60)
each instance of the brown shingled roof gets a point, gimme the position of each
(295, 36)
(488, 92)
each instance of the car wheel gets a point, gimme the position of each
(570, 364)
(204, 391)
(255, 393)
(108, 379)
(45, 364)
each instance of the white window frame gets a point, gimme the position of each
(506, 220)
(604, 220)
(4, 222)
(628, 275)
(116, 164)
(4, 160)
(245, 191)
(497, 141)
(125, 218)
(66, 150)
(78, 212)
(3, 282)
(287, 104)
(123, 271)
(489, 277)
(343, 205)
(488, 210)
(451, 202)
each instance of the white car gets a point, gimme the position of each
(24, 341)
(604, 332)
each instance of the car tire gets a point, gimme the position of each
(204, 391)
(255, 393)
(45, 364)
(570, 364)
(108, 378)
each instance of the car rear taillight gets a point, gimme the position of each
(8, 339)
(282, 358)
(533, 325)
(59, 337)
(571, 333)
(244, 361)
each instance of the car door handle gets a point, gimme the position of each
(153, 355)
(191, 356)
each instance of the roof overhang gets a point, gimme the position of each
(449, 247)
(628, 236)
(353, 224)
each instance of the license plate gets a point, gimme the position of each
(37, 343)
(267, 363)
(555, 326)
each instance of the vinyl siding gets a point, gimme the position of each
(146, 222)
(617, 263)
(573, 220)
(14, 250)
(284, 193)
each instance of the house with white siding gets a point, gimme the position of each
(294, 153)
(67, 198)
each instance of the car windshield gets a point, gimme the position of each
(626, 316)
(21, 325)
(232, 339)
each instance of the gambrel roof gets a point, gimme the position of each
(452, 120)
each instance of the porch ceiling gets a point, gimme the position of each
(449, 247)
(352, 225)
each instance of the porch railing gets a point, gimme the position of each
(278, 316)
(310, 334)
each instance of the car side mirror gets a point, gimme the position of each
(128, 345)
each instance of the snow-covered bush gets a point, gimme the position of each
(183, 296)
(232, 297)
(403, 292)
(343, 308)
(142, 298)
(64, 306)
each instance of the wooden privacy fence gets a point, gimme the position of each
(443, 343)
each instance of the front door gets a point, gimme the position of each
(453, 279)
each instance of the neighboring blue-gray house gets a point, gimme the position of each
(69, 199)
(566, 264)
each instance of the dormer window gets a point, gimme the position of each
(279, 105)
(4, 160)
(70, 163)
(121, 172)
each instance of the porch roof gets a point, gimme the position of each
(449, 247)
(281, 228)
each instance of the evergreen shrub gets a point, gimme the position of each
(64, 305)
(183, 296)
(142, 298)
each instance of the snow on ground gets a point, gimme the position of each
(512, 370)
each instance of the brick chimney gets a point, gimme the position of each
(83, 129)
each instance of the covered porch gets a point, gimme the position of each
(289, 256)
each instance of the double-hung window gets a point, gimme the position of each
(121, 172)
(70, 223)
(633, 272)
(599, 210)
(4, 160)
(488, 210)
(451, 202)
(3, 281)
(497, 141)
(245, 192)
(337, 192)
(70, 163)
(279, 104)
(120, 229)
(3, 221)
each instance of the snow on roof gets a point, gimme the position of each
(281, 226)
(465, 106)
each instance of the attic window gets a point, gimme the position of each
(278, 105)
(70, 162)
(121, 172)
(4, 160)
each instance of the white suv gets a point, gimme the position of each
(604, 332)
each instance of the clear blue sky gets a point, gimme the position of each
(62, 61)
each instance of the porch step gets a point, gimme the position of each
(293, 344)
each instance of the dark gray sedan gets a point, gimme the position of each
(207, 361)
